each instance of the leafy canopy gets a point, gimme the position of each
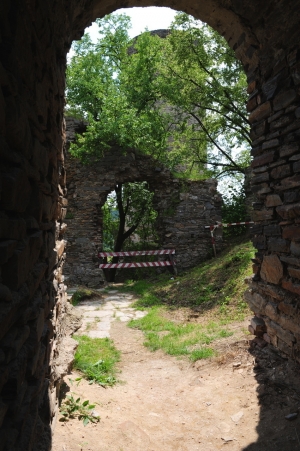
(180, 98)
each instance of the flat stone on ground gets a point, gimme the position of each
(98, 314)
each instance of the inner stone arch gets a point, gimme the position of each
(219, 15)
(183, 208)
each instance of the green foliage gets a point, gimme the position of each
(81, 294)
(201, 78)
(110, 218)
(234, 209)
(69, 215)
(131, 213)
(214, 290)
(177, 339)
(96, 358)
(128, 218)
(140, 211)
(180, 99)
(217, 285)
(95, 91)
(75, 408)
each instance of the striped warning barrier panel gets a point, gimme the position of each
(134, 265)
(169, 252)
(134, 253)
(220, 224)
(213, 227)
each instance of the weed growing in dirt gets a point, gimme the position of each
(96, 358)
(81, 294)
(75, 408)
(178, 339)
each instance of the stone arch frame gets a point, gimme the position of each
(183, 208)
(35, 37)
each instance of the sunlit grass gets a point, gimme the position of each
(190, 339)
(214, 289)
(217, 284)
(96, 358)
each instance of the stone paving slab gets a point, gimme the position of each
(122, 304)
(99, 314)
(86, 308)
(98, 334)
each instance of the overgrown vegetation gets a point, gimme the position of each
(128, 220)
(96, 358)
(75, 408)
(178, 339)
(181, 99)
(234, 209)
(211, 293)
(81, 294)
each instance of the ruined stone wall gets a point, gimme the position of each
(33, 308)
(274, 291)
(184, 208)
(184, 228)
(34, 38)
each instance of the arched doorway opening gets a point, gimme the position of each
(35, 37)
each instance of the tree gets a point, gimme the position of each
(96, 92)
(181, 99)
(129, 210)
(196, 77)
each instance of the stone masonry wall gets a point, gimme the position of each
(184, 208)
(34, 328)
(274, 291)
(199, 205)
(35, 36)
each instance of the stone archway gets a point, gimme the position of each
(34, 38)
(183, 208)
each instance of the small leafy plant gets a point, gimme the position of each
(75, 408)
(82, 294)
(96, 359)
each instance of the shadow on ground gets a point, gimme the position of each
(279, 397)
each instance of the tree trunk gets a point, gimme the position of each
(110, 273)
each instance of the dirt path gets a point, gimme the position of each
(166, 404)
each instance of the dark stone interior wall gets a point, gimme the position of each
(34, 38)
(33, 306)
(183, 208)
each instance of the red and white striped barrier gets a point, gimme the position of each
(134, 253)
(220, 224)
(170, 262)
(212, 228)
(134, 265)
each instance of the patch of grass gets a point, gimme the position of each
(203, 353)
(177, 339)
(143, 289)
(211, 292)
(82, 294)
(69, 215)
(96, 358)
(216, 285)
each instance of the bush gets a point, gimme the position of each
(234, 210)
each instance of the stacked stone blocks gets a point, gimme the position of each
(274, 291)
(183, 208)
